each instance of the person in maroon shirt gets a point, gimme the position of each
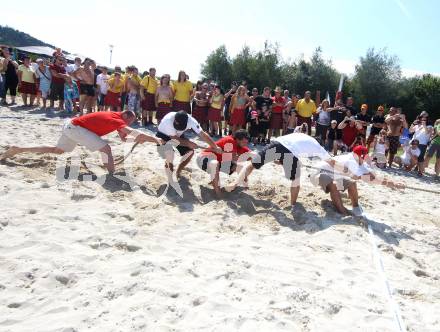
(87, 130)
(350, 130)
(59, 75)
(276, 118)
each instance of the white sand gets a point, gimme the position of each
(77, 255)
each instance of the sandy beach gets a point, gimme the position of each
(83, 252)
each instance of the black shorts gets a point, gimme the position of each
(57, 91)
(277, 151)
(434, 149)
(87, 89)
(421, 157)
(394, 143)
(263, 127)
(183, 150)
(225, 167)
(101, 99)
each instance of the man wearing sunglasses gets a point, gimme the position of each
(347, 169)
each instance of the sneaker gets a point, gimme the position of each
(357, 211)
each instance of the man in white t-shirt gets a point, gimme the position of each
(340, 177)
(286, 151)
(410, 155)
(172, 127)
(70, 68)
(102, 83)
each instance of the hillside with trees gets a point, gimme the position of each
(12, 37)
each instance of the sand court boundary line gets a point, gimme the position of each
(399, 324)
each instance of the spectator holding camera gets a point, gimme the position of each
(422, 133)
(350, 130)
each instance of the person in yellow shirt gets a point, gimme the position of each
(305, 108)
(183, 90)
(148, 91)
(216, 103)
(26, 81)
(115, 88)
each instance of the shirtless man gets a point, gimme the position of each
(87, 94)
(395, 122)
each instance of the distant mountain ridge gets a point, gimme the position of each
(12, 37)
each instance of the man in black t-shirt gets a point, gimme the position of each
(364, 119)
(378, 123)
(264, 108)
(338, 114)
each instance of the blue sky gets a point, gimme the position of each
(173, 35)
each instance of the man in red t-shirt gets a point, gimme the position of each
(233, 147)
(350, 129)
(59, 75)
(87, 130)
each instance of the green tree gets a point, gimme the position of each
(218, 67)
(376, 77)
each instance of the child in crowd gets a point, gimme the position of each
(380, 146)
(334, 138)
(71, 95)
(409, 158)
(254, 128)
(264, 120)
(291, 122)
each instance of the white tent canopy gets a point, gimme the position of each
(42, 50)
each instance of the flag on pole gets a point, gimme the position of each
(339, 92)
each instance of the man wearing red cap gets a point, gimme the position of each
(348, 168)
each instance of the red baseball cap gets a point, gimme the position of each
(360, 150)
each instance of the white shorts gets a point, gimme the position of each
(73, 135)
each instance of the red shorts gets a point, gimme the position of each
(27, 88)
(238, 117)
(112, 99)
(182, 106)
(276, 121)
(214, 114)
(200, 113)
(162, 110)
(148, 104)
